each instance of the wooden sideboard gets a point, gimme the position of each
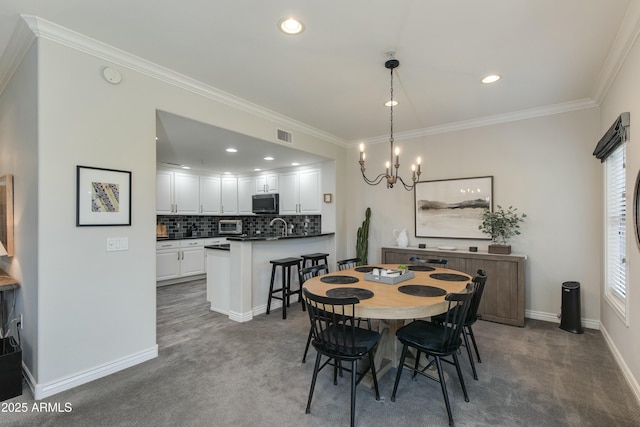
(503, 297)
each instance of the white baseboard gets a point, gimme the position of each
(41, 391)
(633, 383)
(240, 317)
(552, 317)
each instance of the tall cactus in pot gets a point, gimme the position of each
(362, 242)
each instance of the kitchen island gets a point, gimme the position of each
(238, 275)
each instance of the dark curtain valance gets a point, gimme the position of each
(616, 135)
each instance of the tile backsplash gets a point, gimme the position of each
(179, 226)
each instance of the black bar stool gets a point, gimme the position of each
(315, 259)
(286, 264)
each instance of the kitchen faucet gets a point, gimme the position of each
(284, 225)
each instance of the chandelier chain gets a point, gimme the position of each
(391, 114)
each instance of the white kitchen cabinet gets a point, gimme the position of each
(229, 196)
(300, 192)
(186, 190)
(177, 193)
(167, 260)
(246, 186)
(309, 195)
(209, 195)
(192, 261)
(179, 258)
(164, 193)
(267, 183)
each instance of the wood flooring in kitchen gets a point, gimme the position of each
(183, 313)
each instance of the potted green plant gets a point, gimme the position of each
(501, 224)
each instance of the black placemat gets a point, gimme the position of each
(366, 268)
(339, 280)
(420, 268)
(450, 277)
(422, 290)
(350, 292)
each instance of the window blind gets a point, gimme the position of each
(616, 266)
(616, 135)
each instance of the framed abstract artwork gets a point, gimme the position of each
(636, 209)
(103, 197)
(6, 213)
(452, 208)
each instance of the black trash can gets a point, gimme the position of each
(10, 368)
(570, 315)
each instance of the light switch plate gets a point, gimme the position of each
(117, 244)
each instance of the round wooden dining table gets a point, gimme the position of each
(389, 302)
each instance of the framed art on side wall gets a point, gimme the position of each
(103, 197)
(452, 208)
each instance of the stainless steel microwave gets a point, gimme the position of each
(266, 203)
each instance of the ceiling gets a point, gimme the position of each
(181, 141)
(331, 77)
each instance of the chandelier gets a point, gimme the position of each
(390, 176)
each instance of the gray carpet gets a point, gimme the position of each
(214, 372)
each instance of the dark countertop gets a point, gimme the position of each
(246, 238)
(275, 237)
(222, 247)
(208, 236)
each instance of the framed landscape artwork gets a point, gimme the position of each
(104, 197)
(452, 208)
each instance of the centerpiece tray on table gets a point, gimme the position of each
(392, 277)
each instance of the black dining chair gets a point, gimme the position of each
(305, 274)
(336, 336)
(472, 315)
(438, 262)
(438, 341)
(346, 264)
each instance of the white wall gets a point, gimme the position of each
(18, 141)
(624, 95)
(96, 310)
(542, 166)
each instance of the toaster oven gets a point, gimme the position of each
(230, 226)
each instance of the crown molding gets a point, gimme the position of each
(73, 40)
(548, 110)
(19, 44)
(620, 48)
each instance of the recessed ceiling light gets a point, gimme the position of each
(290, 26)
(491, 78)
(390, 103)
(295, 164)
(268, 158)
(257, 170)
(231, 150)
(156, 138)
(185, 167)
(227, 173)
